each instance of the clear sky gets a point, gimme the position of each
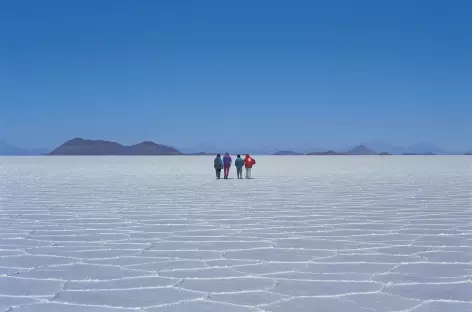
(283, 73)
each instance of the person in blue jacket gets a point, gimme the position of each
(239, 163)
(218, 165)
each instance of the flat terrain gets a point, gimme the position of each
(307, 234)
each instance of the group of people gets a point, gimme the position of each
(225, 164)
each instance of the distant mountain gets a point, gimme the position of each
(151, 148)
(327, 153)
(361, 150)
(11, 150)
(468, 153)
(80, 146)
(233, 149)
(374, 147)
(286, 153)
(424, 154)
(262, 149)
(384, 147)
(39, 151)
(420, 148)
(201, 148)
(425, 148)
(201, 154)
(8, 149)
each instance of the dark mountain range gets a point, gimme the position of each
(286, 153)
(80, 146)
(361, 150)
(11, 150)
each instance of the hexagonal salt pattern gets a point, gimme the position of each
(159, 234)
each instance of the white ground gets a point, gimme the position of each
(158, 234)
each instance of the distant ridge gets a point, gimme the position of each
(358, 150)
(328, 153)
(418, 148)
(418, 154)
(79, 146)
(286, 153)
(11, 150)
(361, 150)
(200, 154)
(201, 149)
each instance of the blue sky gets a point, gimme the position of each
(282, 73)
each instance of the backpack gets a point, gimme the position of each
(217, 163)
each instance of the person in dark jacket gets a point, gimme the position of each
(227, 164)
(218, 165)
(239, 163)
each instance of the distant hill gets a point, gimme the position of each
(151, 148)
(376, 147)
(384, 147)
(39, 151)
(468, 153)
(11, 150)
(361, 150)
(286, 153)
(420, 148)
(328, 153)
(8, 149)
(200, 149)
(201, 154)
(424, 149)
(231, 148)
(80, 146)
(424, 154)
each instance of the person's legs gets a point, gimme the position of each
(240, 173)
(218, 173)
(226, 172)
(249, 173)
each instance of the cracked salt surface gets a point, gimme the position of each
(159, 234)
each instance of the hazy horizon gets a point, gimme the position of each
(375, 145)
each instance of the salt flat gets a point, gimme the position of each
(161, 234)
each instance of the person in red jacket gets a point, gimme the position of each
(248, 163)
